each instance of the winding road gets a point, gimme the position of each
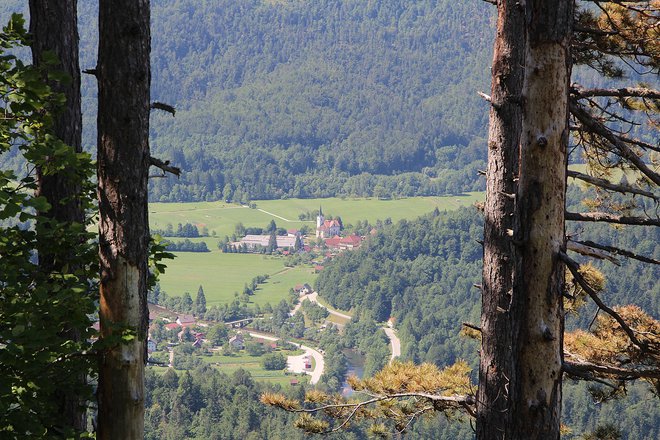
(395, 342)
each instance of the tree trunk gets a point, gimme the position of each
(124, 76)
(539, 223)
(519, 394)
(54, 27)
(494, 396)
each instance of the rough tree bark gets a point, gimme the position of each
(519, 394)
(539, 222)
(124, 75)
(494, 396)
(54, 28)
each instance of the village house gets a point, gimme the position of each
(237, 342)
(185, 320)
(344, 243)
(254, 241)
(151, 346)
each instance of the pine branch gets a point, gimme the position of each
(606, 184)
(618, 251)
(580, 368)
(574, 267)
(436, 398)
(611, 218)
(617, 143)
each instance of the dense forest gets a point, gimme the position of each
(422, 273)
(311, 98)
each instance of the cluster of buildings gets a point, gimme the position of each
(328, 230)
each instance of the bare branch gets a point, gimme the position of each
(624, 92)
(574, 267)
(484, 96)
(599, 129)
(606, 184)
(611, 218)
(165, 107)
(618, 251)
(165, 166)
(590, 252)
(472, 326)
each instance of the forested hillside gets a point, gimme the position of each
(422, 273)
(312, 98)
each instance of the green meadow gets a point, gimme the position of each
(223, 274)
(229, 364)
(222, 217)
(252, 364)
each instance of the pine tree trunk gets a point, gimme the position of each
(519, 393)
(494, 396)
(54, 27)
(539, 228)
(124, 76)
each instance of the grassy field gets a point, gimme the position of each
(229, 364)
(252, 364)
(223, 274)
(222, 217)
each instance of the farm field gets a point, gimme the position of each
(222, 217)
(229, 364)
(252, 364)
(223, 274)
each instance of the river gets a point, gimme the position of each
(355, 363)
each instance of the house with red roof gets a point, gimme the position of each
(350, 242)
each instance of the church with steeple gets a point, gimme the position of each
(327, 228)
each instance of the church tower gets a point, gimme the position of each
(319, 218)
(319, 222)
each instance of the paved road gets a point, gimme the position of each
(313, 298)
(296, 364)
(395, 342)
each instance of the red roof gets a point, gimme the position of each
(318, 268)
(333, 242)
(172, 326)
(354, 240)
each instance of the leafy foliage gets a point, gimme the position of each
(41, 310)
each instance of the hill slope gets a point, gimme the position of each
(308, 98)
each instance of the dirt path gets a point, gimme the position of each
(274, 215)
